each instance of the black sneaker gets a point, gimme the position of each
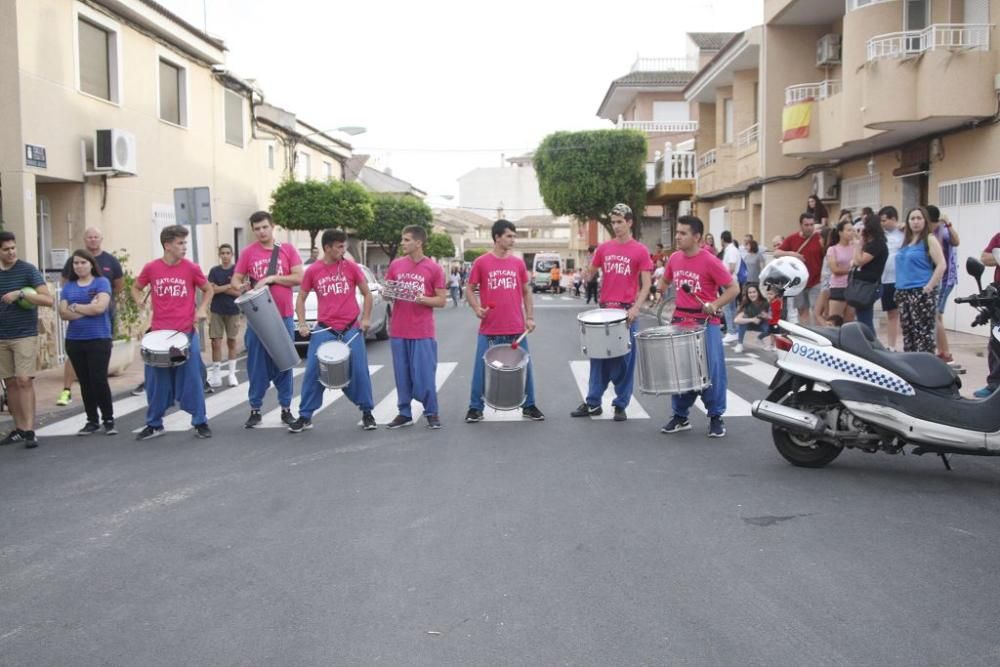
(717, 428)
(14, 437)
(30, 441)
(433, 422)
(89, 429)
(109, 428)
(675, 425)
(400, 421)
(202, 431)
(140, 389)
(149, 432)
(473, 416)
(585, 410)
(253, 421)
(299, 425)
(286, 417)
(620, 415)
(368, 421)
(533, 413)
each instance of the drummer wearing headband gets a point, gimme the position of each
(505, 291)
(335, 278)
(414, 349)
(705, 274)
(278, 266)
(627, 267)
(172, 280)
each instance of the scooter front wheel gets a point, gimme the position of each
(797, 449)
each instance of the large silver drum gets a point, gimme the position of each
(604, 333)
(506, 376)
(672, 360)
(263, 317)
(334, 359)
(165, 348)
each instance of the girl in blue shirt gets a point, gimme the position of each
(920, 266)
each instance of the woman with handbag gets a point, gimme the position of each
(920, 266)
(839, 254)
(864, 283)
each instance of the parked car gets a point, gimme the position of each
(381, 310)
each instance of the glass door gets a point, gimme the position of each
(916, 17)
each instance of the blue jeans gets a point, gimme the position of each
(262, 371)
(414, 366)
(182, 384)
(763, 327)
(358, 391)
(620, 371)
(714, 396)
(729, 312)
(483, 342)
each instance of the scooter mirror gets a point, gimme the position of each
(975, 269)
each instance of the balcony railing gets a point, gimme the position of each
(811, 91)
(975, 37)
(682, 165)
(664, 65)
(858, 4)
(659, 126)
(748, 137)
(707, 159)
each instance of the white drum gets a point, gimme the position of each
(604, 333)
(165, 348)
(263, 317)
(672, 360)
(334, 359)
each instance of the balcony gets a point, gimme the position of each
(811, 91)
(746, 141)
(664, 65)
(658, 126)
(674, 175)
(717, 169)
(946, 36)
(707, 159)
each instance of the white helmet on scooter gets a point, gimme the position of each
(788, 274)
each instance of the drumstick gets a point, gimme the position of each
(518, 341)
(687, 288)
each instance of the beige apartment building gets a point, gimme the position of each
(109, 105)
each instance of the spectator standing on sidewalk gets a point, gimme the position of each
(84, 303)
(947, 236)
(870, 257)
(455, 285)
(111, 269)
(839, 256)
(805, 245)
(889, 219)
(731, 259)
(754, 259)
(23, 289)
(919, 268)
(591, 281)
(225, 316)
(819, 213)
(993, 348)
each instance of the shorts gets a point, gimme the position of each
(943, 294)
(837, 294)
(18, 357)
(888, 297)
(223, 325)
(807, 298)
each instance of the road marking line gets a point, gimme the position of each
(494, 415)
(70, 425)
(272, 419)
(759, 370)
(386, 410)
(581, 373)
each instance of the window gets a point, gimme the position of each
(173, 93)
(671, 111)
(270, 156)
(234, 118)
(302, 171)
(328, 170)
(856, 193)
(97, 57)
(729, 120)
(948, 195)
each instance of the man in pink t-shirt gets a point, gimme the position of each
(414, 348)
(172, 281)
(506, 310)
(626, 267)
(704, 275)
(255, 263)
(335, 279)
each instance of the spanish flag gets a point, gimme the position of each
(795, 119)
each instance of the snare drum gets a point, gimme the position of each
(505, 377)
(334, 359)
(672, 360)
(165, 348)
(604, 333)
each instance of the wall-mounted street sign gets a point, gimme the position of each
(192, 206)
(34, 156)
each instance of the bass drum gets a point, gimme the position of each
(263, 317)
(672, 360)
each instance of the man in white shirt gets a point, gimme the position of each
(889, 218)
(731, 258)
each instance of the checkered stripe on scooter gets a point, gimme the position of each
(889, 382)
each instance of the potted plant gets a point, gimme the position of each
(130, 319)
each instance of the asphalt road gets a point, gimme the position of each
(570, 541)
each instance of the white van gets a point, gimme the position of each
(541, 274)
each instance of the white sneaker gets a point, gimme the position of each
(232, 380)
(738, 349)
(729, 338)
(214, 377)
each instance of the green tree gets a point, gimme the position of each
(303, 205)
(391, 215)
(471, 254)
(439, 246)
(585, 174)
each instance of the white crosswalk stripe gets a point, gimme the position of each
(71, 425)
(581, 373)
(761, 371)
(493, 415)
(387, 409)
(272, 419)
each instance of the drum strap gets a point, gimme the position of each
(690, 315)
(272, 266)
(615, 304)
(338, 333)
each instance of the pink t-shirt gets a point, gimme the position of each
(414, 320)
(842, 254)
(705, 273)
(172, 293)
(621, 264)
(335, 285)
(501, 290)
(255, 259)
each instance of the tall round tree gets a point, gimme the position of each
(391, 214)
(439, 246)
(305, 206)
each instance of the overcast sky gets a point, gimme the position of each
(445, 86)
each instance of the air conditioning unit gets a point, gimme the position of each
(114, 150)
(828, 50)
(824, 184)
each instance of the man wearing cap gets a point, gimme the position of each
(626, 269)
